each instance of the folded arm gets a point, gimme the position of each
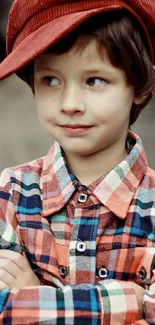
(78, 305)
(108, 302)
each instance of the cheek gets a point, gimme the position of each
(114, 107)
(46, 108)
(106, 112)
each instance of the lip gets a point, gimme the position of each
(76, 129)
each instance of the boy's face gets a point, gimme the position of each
(83, 101)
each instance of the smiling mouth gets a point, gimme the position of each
(76, 126)
(76, 130)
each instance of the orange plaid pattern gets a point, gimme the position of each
(85, 244)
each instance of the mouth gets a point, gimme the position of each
(76, 126)
(76, 129)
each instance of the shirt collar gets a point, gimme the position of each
(58, 183)
(115, 190)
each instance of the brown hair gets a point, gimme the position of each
(123, 38)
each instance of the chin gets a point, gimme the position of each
(78, 151)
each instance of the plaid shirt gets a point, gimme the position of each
(83, 243)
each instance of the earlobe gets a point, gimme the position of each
(143, 99)
(139, 99)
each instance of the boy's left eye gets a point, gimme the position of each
(95, 82)
(51, 81)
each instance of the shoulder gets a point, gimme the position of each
(25, 174)
(150, 176)
(21, 172)
(147, 185)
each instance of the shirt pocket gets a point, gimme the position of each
(60, 227)
(41, 248)
(127, 264)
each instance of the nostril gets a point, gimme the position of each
(71, 110)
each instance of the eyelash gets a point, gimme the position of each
(47, 78)
(96, 78)
(44, 79)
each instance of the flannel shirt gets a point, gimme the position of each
(83, 243)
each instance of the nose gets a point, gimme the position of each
(72, 101)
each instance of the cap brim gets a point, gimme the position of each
(39, 41)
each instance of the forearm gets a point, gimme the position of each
(108, 304)
(119, 302)
(47, 305)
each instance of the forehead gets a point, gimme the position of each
(88, 55)
(74, 62)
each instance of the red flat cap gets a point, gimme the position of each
(34, 25)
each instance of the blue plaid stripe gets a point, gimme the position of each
(116, 223)
(3, 300)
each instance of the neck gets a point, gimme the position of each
(89, 168)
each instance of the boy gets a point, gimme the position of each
(77, 226)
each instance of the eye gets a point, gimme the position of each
(51, 81)
(96, 82)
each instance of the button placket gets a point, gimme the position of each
(81, 247)
(82, 251)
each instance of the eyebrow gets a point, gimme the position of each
(89, 71)
(41, 67)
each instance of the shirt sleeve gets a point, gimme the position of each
(108, 302)
(76, 305)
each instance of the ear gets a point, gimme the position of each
(139, 99)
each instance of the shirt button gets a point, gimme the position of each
(142, 273)
(102, 273)
(63, 271)
(81, 247)
(82, 198)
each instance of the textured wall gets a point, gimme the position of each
(22, 138)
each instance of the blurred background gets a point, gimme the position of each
(21, 137)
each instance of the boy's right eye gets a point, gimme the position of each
(51, 81)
